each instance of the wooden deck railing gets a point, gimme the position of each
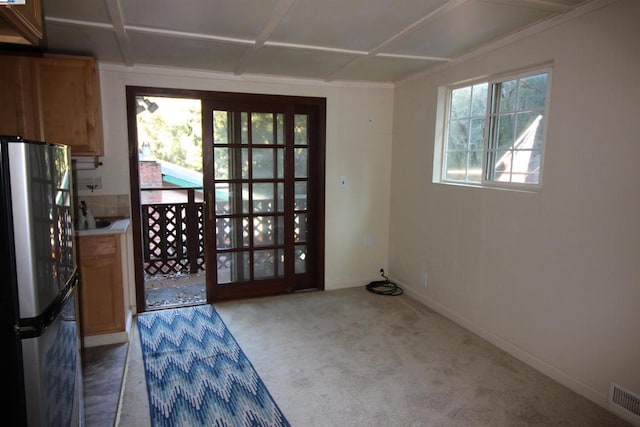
(173, 231)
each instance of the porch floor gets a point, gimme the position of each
(174, 290)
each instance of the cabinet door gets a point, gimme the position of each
(21, 23)
(101, 291)
(17, 107)
(68, 99)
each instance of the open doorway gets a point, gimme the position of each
(169, 150)
(230, 181)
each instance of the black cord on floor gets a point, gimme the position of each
(384, 287)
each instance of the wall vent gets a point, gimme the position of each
(625, 400)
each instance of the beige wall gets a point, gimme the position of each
(552, 277)
(359, 128)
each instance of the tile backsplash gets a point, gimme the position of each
(113, 205)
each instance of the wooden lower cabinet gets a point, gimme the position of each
(101, 288)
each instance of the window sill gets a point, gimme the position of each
(517, 189)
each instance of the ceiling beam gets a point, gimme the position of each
(418, 57)
(536, 4)
(417, 25)
(312, 47)
(75, 22)
(115, 13)
(278, 13)
(186, 35)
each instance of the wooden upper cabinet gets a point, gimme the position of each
(22, 24)
(18, 114)
(68, 101)
(54, 98)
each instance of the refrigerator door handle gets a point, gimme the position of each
(31, 327)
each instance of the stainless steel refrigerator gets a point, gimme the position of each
(40, 336)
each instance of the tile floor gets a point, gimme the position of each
(102, 370)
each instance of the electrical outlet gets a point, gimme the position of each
(424, 279)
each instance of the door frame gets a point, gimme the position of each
(319, 162)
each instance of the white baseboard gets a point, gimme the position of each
(106, 339)
(344, 285)
(517, 352)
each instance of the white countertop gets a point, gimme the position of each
(118, 226)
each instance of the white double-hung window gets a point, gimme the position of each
(494, 131)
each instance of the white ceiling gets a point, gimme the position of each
(354, 40)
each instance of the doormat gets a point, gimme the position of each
(197, 374)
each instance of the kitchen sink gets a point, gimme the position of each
(102, 223)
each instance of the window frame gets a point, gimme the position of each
(443, 122)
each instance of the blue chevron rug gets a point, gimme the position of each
(197, 374)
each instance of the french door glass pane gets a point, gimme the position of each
(263, 163)
(300, 168)
(268, 263)
(220, 127)
(264, 197)
(224, 199)
(268, 230)
(280, 124)
(301, 259)
(280, 197)
(301, 129)
(262, 128)
(245, 199)
(300, 196)
(233, 267)
(300, 227)
(280, 160)
(244, 162)
(264, 264)
(244, 128)
(232, 233)
(221, 163)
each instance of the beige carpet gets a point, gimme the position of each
(351, 358)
